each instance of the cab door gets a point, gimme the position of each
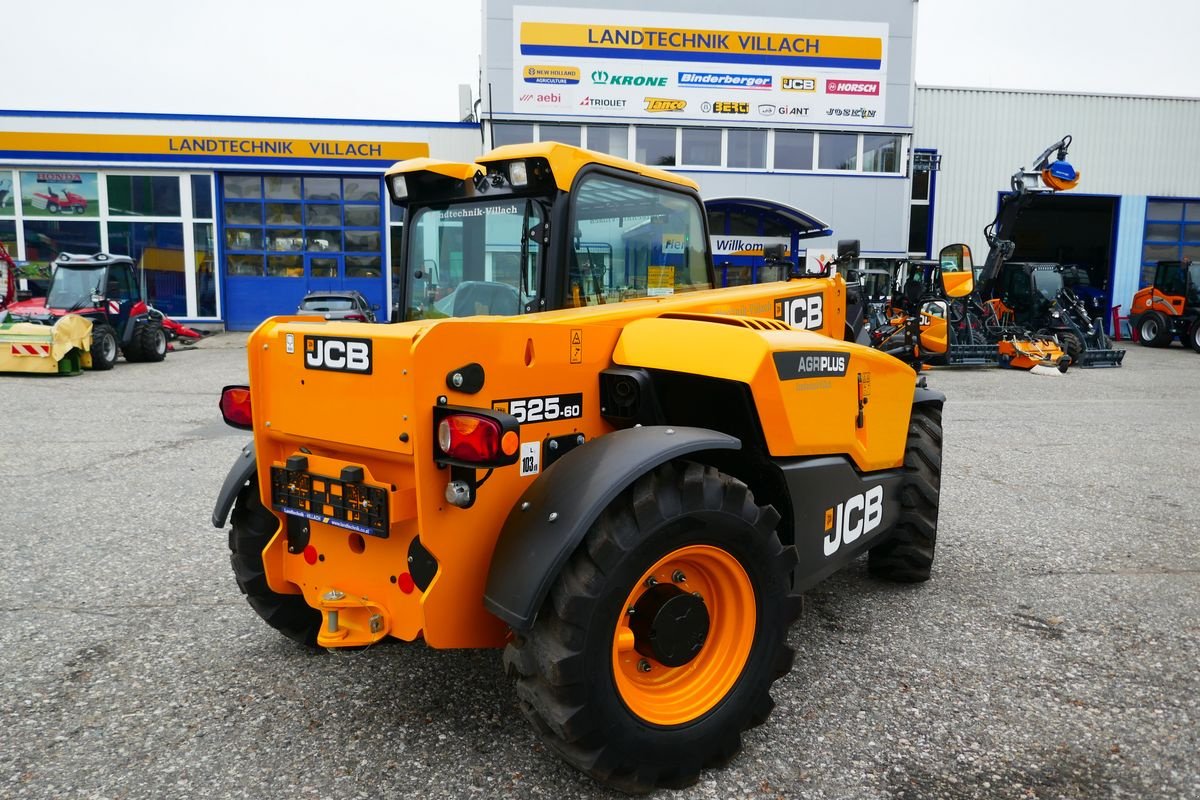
(120, 298)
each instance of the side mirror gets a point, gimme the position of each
(97, 299)
(847, 249)
(956, 258)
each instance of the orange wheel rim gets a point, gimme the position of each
(664, 695)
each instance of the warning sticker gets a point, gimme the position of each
(576, 345)
(660, 281)
(531, 458)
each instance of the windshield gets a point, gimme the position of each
(1047, 282)
(327, 304)
(1193, 295)
(466, 258)
(73, 288)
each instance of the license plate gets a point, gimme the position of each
(354, 506)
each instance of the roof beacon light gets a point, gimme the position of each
(517, 174)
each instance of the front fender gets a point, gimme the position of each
(552, 516)
(242, 471)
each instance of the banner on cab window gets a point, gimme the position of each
(674, 66)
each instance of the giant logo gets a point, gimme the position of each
(338, 354)
(607, 79)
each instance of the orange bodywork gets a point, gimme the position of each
(383, 422)
(1151, 298)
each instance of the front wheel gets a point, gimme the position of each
(660, 639)
(104, 347)
(1153, 330)
(1193, 335)
(907, 555)
(1072, 344)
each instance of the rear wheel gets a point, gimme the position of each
(251, 529)
(104, 347)
(149, 343)
(907, 556)
(1193, 335)
(660, 639)
(1153, 330)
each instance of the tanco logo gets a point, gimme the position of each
(606, 79)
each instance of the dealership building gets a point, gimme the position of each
(801, 124)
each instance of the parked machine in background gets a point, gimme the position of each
(1170, 306)
(103, 288)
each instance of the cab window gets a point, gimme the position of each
(631, 239)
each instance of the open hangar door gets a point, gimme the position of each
(1075, 230)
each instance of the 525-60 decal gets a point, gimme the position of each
(542, 409)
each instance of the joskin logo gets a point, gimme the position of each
(550, 74)
(798, 84)
(798, 365)
(337, 354)
(603, 78)
(657, 105)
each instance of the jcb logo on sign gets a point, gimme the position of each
(337, 354)
(858, 516)
(798, 84)
(806, 312)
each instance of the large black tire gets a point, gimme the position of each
(907, 555)
(569, 670)
(1193, 335)
(976, 337)
(1072, 345)
(251, 529)
(104, 347)
(149, 343)
(1154, 330)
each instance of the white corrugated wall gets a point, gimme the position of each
(1122, 146)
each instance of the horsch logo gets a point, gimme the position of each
(851, 87)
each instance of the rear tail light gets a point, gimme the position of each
(356, 317)
(235, 407)
(474, 437)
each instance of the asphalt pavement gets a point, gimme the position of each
(1053, 655)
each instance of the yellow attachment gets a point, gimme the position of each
(958, 284)
(664, 695)
(567, 160)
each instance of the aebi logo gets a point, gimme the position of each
(806, 312)
(858, 516)
(337, 354)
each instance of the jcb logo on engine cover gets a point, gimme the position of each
(858, 516)
(339, 354)
(806, 311)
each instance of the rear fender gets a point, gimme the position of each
(242, 472)
(554, 513)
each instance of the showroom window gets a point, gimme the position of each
(611, 139)
(881, 153)
(8, 213)
(794, 149)
(701, 147)
(511, 133)
(654, 146)
(837, 151)
(567, 134)
(1172, 233)
(276, 224)
(747, 149)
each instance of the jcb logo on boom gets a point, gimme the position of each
(338, 354)
(858, 516)
(805, 311)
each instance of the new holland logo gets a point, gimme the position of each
(657, 105)
(797, 365)
(338, 354)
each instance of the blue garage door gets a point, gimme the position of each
(287, 235)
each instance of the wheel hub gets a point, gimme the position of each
(669, 624)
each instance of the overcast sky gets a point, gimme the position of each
(403, 60)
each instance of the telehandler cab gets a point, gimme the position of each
(626, 494)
